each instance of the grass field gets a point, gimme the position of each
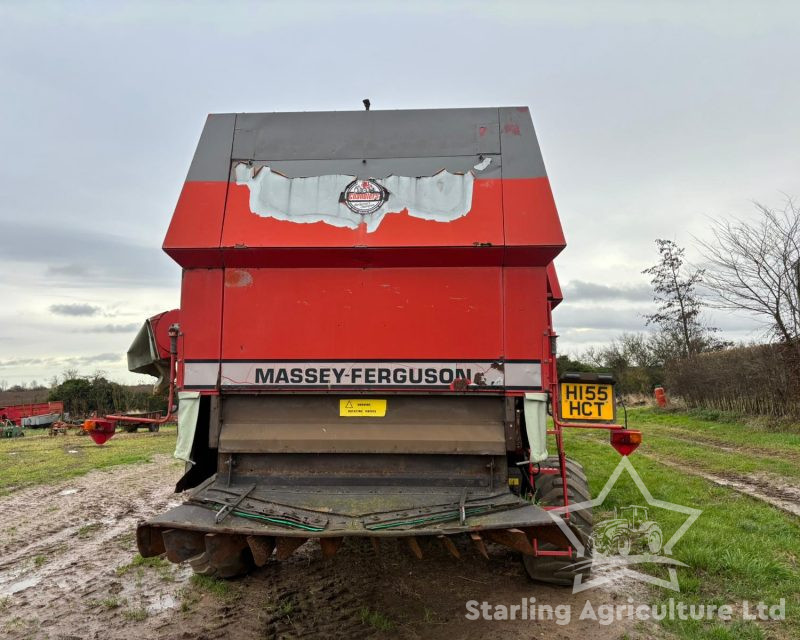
(38, 458)
(739, 548)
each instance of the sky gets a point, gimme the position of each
(652, 117)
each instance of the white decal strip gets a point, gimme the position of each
(442, 197)
(445, 375)
(200, 374)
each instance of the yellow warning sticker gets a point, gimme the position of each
(362, 408)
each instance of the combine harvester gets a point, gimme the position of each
(364, 345)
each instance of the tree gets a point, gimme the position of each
(633, 362)
(76, 394)
(566, 363)
(82, 395)
(755, 267)
(678, 304)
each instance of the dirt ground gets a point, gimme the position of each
(68, 570)
(768, 488)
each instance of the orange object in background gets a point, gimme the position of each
(661, 397)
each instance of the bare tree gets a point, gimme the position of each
(755, 267)
(678, 304)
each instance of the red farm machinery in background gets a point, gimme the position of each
(153, 352)
(364, 345)
(19, 412)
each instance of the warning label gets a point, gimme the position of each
(362, 408)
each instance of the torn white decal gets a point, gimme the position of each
(442, 197)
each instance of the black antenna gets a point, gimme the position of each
(366, 103)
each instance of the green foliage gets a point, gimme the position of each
(112, 602)
(678, 306)
(631, 358)
(88, 529)
(135, 615)
(566, 363)
(83, 395)
(77, 395)
(753, 380)
(376, 619)
(156, 562)
(214, 586)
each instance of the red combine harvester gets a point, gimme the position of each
(364, 345)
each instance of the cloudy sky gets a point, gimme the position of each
(651, 116)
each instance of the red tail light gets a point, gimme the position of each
(100, 430)
(625, 441)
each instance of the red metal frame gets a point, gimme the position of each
(568, 553)
(173, 335)
(558, 430)
(102, 429)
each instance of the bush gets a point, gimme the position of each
(754, 380)
(82, 396)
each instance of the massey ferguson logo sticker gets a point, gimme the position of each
(442, 375)
(364, 196)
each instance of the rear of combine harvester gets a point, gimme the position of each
(365, 340)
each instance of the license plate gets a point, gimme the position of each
(362, 408)
(587, 401)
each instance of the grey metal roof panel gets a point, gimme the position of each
(522, 157)
(412, 142)
(212, 159)
(366, 134)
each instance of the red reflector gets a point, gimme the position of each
(625, 441)
(99, 437)
(101, 431)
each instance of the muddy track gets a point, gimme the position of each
(65, 573)
(696, 439)
(773, 490)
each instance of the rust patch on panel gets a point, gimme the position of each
(238, 278)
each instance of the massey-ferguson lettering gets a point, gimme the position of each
(364, 345)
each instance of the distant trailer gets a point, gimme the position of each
(16, 413)
(133, 427)
(44, 420)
